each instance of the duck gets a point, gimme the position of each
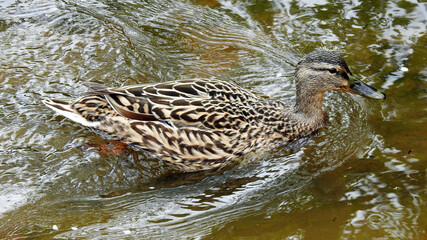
(201, 124)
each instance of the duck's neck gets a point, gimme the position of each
(308, 108)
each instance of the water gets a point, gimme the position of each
(364, 177)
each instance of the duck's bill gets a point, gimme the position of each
(358, 87)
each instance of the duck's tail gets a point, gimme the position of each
(66, 109)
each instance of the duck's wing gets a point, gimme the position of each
(202, 103)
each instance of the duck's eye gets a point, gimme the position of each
(333, 70)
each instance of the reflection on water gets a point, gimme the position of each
(363, 177)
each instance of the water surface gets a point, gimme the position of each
(363, 177)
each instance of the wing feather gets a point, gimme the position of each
(200, 103)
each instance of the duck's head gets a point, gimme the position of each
(322, 71)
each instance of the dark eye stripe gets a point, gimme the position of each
(340, 72)
(344, 75)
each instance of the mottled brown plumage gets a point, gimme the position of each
(202, 124)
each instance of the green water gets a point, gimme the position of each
(363, 177)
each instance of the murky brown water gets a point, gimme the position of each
(364, 177)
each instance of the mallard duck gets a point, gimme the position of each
(204, 124)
